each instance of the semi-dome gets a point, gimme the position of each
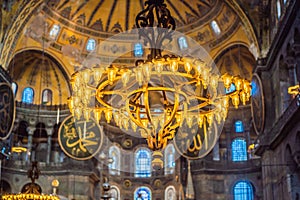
(37, 71)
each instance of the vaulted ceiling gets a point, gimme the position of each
(25, 27)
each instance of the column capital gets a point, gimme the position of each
(49, 131)
(30, 130)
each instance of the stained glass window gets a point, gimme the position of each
(243, 191)
(27, 96)
(54, 31)
(143, 163)
(239, 127)
(142, 193)
(138, 50)
(91, 45)
(239, 150)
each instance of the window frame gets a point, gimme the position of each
(143, 170)
(239, 126)
(116, 160)
(182, 43)
(241, 153)
(54, 31)
(215, 27)
(141, 49)
(24, 96)
(91, 46)
(143, 188)
(248, 187)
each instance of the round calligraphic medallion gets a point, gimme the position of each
(257, 104)
(195, 143)
(7, 110)
(80, 139)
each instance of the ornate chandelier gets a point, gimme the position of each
(158, 95)
(31, 191)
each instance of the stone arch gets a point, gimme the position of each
(39, 145)
(236, 59)
(21, 134)
(5, 187)
(39, 70)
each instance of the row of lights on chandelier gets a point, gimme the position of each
(185, 67)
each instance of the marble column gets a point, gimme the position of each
(49, 134)
(30, 131)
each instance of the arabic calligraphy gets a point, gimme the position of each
(7, 107)
(195, 145)
(80, 140)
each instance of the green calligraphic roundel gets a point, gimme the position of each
(80, 139)
(7, 110)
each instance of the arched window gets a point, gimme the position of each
(182, 43)
(14, 88)
(169, 159)
(27, 96)
(47, 97)
(230, 89)
(91, 45)
(170, 193)
(239, 150)
(114, 193)
(214, 25)
(243, 190)
(114, 167)
(239, 127)
(143, 163)
(142, 193)
(278, 6)
(54, 31)
(138, 50)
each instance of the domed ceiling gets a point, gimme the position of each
(38, 71)
(236, 60)
(119, 15)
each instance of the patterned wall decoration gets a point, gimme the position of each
(7, 110)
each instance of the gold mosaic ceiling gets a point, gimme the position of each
(119, 15)
(37, 70)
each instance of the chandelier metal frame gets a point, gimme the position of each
(156, 96)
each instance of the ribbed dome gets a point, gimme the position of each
(36, 70)
(119, 15)
(236, 60)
